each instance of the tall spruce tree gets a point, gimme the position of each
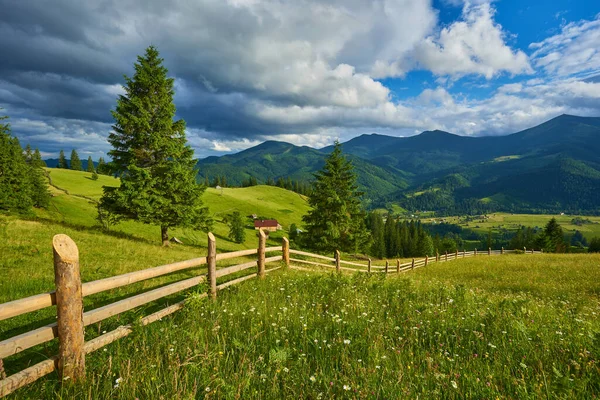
(90, 165)
(151, 155)
(36, 160)
(335, 220)
(62, 161)
(75, 161)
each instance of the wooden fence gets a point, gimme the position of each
(72, 320)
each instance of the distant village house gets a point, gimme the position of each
(270, 225)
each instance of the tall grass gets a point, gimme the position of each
(474, 328)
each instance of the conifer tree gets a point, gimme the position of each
(102, 168)
(36, 160)
(335, 220)
(151, 155)
(75, 161)
(62, 161)
(90, 165)
(236, 228)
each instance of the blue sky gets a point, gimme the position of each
(305, 71)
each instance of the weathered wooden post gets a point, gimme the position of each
(446, 256)
(69, 309)
(426, 259)
(262, 245)
(525, 250)
(463, 253)
(2, 372)
(456, 254)
(387, 265)
(285, 251)
(531, 251)
(413, 264)
(369, 266)
(502, 250)
(211, 261)
(338, 266)
(437, 256)
(398, 266)
(475, 252)
(489, 251)
(542, 251)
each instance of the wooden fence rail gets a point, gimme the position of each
(69, 293)
(71, 318)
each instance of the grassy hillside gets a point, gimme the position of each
(498, 327)
(75, 191)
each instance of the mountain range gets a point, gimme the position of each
(552, 167)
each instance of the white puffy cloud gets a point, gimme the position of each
(474, 45)
(575, 50)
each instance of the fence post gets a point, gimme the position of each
(446, 256)
(285, 250)
(338, 266)
(525, 250)
(2, 372)
(398, 266)
(489, 251)
(262, 244)
(69, 309)
(456, 255)
(369, 266)
(502, 250)
(475, 252)
(531, 251)
(211, 261)
(437, 256)
(463, 253)
(426, 259)
(413, 264)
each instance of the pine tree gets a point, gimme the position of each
(94, 176)
(335, 220)
(102, 168)
(594, 245)
(36, 160)
(552, 239)
(62, 161)
(151, 155)
(90, 165)
(236, 228)
(75, 161)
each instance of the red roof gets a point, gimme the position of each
(265, 223)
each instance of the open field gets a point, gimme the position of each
(74, 207)
(498, 221)
(512, 326)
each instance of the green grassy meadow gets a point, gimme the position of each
(506, 327)
(501, 221)
(73, 205)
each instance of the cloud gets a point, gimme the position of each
(474, 45)
(303, 71)
(574, 51)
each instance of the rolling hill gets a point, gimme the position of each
(75, 193)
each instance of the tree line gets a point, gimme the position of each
(300, 187)
(22, 180)
(75, 163)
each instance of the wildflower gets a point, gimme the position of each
(378, 366)
(313, 379)
(454, 384)
(346, 341)
(491, 345)
(347, 387)
(207, 389)
(117, 381)
(286, 370)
